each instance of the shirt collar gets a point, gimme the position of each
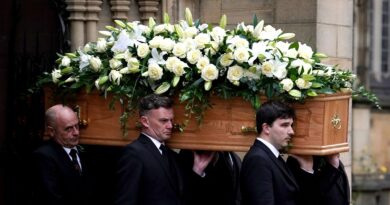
(155, 142)
(270, 146)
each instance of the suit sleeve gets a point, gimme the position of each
(49, 189)
(257, 182)
(129, 178)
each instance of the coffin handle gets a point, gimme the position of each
(248, 129)
(336, 121)
(82, 122)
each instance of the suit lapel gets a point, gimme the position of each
(284, 170)
(157, 156)
(64, 157)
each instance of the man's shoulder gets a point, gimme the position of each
(48, 147)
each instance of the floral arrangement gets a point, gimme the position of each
(195, 60)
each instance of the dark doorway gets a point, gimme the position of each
(31, 33)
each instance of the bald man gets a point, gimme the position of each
(61, 174)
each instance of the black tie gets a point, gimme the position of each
(167, 162)
(76, 165)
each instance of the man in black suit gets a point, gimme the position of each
(218, 183)
(267, 179)
(60, 173)
(149, 173)
(332, 187)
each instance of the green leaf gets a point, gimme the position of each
(255, 21)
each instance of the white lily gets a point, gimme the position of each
(157, 57)
(259, 48)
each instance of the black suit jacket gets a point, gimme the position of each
(144, 179)
(331, 184)
(265, 180)
(220, 185)
(57, 182)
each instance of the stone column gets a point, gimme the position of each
(119, 9)
(92, 17)
(147, 9)
(76, 9)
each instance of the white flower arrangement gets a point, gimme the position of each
(194, 60)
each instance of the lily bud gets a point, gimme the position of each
(258, 28)
(164, 87)
(188, 17)
(287, 36)
(175, 81)
(71, 55)
(151, 23)
(66, 70)
(166, 18)
(103, 80)
(295, 93)
(120, 23)
(105, 33)
(320, 55)
(223, 21)
(179, 30)
(207, 85)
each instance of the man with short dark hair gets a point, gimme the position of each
(265, 179)
(149, 172)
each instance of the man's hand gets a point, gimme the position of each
(305, 162)
(201, 160)
(334, 160)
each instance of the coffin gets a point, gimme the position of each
(321, 127)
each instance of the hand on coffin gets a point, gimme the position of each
(305, 162)
(334, 160)
(201, 161)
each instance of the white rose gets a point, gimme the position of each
(287, 84)
(55, 75)
(291, 53)
(210, 72)
(159, 29)
(241, 43)
(155, 42)
(114, 63)
(95, 63)
(65, 61)
(180, 50)
(115, 76)
(202, 62)
(305, 51)
(133, 65)
(193, 56)
(241, 54)
(213, 49)
(155, 72)
(302, 84)
(267, 68)
(167, 44)
(234, 74)
(178, 68)
(171, 62)
(226, 59)
(87, 48)
(218, 34)
(143, 50)
(190, 43)
(190, 32)
(202, 39)
(101, 45)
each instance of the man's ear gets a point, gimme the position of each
(50, 131)
(265, 128)
(144, 121)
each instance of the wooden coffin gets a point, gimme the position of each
(321, 126)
